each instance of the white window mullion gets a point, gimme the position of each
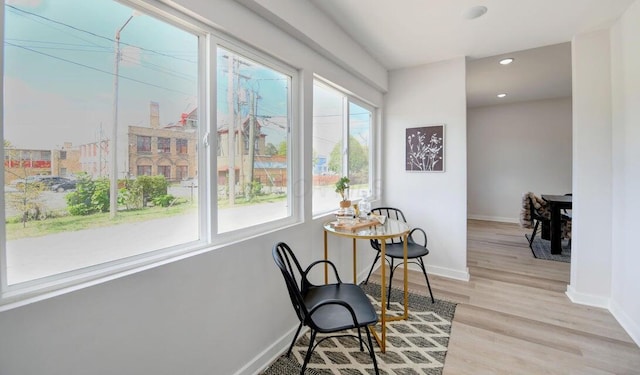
(345, 136)
(207, 174)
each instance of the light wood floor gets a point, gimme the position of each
(513, 316)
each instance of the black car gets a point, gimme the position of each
(50, 181)
(64, 186)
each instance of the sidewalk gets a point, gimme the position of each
(36, 257)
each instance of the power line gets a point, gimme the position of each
(94, 34)
(96, 69)
(85, 48)
(60, 43)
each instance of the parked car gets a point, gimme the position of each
(50, 181)
(44, 180)
(64, 186)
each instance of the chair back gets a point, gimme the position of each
(536, 213)
(391, 213)
(290, 267)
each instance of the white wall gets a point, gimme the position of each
(536, 136)
(592, 174)
(625, 281)
(606, 74)
(428, 95)
(225, 311)
(316, 29)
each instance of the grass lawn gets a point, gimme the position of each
(36, 228)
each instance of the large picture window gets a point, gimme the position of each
(123, 123)
(254, 105)
(342, 128)
(89, 85)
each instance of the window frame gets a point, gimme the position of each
(294, 166)
(209, 38)
(145, 141)
(164, 145)
(348, 98)
(19, 294)
(180, 148)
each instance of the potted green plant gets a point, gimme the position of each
(341, 188)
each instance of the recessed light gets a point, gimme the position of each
(506, 61)
(501, 95)
(475, 12)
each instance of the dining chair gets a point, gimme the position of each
(326, 309)
(536, 212)
(538, 215)
(394, 249)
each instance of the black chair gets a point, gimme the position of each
(324, 308)
(542, 216)
(394, 248)
(537, 217)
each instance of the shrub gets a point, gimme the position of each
(163, 200)
(152, 187)
(101, 195)
(255, 189)
(131, 197)
(90, 196)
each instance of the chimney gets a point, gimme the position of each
(154, 117)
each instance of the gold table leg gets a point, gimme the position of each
(382, 338)
(326, 257)
(355, 273)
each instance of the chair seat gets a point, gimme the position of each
(414, 250)
(330, 318)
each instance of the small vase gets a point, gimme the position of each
(345, 203)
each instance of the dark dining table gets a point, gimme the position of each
(556, 204)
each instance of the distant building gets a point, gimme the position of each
(170, 150)
(269, 170)
(94, 158)
(21, 163)
(65, 162)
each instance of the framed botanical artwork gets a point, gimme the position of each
(425, 149)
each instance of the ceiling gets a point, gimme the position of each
(407, 33)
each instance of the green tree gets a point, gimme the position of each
(335, 159)
(270, 149)
(358, 156)
(27, 201)
(27, 197)
(282, 148)
(358, 159)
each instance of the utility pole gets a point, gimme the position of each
(252, 135)
(231, 134)
(100, 150)
(113, 146)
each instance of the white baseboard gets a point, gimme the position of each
(632, 328)
(449, 273)
(431, 270)
(260, 362)
(587, 299)
(494, 218)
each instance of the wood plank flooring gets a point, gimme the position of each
(513, 316)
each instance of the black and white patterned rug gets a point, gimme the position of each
(414, 346)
